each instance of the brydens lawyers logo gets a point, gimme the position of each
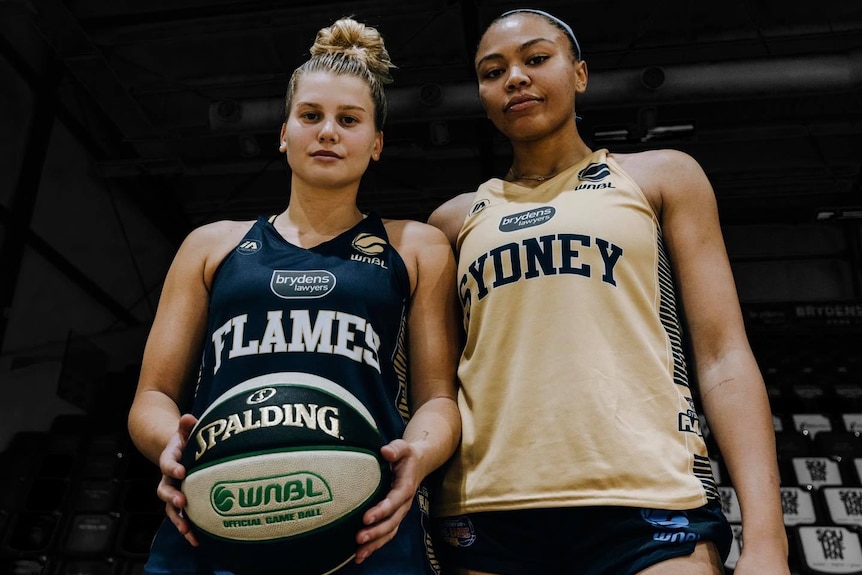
(305, 284)
(594, 173)
(526, 219)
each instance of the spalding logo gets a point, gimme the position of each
(324, 418)
(369, 244)
(594, 173)
(260, 395)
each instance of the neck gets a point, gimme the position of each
(537, 161)
(315, 206)
(309, 221)
(514, 176)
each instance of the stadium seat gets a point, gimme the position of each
(843, 505)
(816, 471)
(799, 506)
(827, 549)
(811, 423)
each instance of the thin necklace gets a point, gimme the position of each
(516, 176)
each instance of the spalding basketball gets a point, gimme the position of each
(279, 471)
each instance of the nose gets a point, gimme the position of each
(517, 78)
(328, 132)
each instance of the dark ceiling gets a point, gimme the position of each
(179, 100)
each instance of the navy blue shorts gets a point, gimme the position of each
(583, 540)
(410, 553)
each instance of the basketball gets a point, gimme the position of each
(279, 471)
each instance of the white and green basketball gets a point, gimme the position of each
(279, 471)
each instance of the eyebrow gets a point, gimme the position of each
(521, 48)
(342, 107)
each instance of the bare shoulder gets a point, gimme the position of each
(450, 216)
(453, 207)
(208, 244)
(221, 228)
(652, 165)
(410, 235)
(215, 235)
(663, 175)
(422, 247)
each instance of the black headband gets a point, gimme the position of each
(560, 23)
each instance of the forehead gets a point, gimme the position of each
(328, 88)
(514, 31)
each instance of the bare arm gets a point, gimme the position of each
(434, 429)
(171, 358)
(433, 328)
(449, 217)
(173, 349)
(731, 387)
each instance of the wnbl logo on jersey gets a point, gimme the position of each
(368, 244)
(594, 173)
(370, 247)
(592, 177)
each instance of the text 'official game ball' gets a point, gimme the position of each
(279, 471)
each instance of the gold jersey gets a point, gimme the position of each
(574, 387)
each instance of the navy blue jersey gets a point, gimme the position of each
(338, 311)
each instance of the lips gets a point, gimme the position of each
(325, 154)
(521, 101)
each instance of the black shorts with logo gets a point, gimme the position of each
(577, 540)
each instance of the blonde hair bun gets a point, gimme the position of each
(355, 40)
